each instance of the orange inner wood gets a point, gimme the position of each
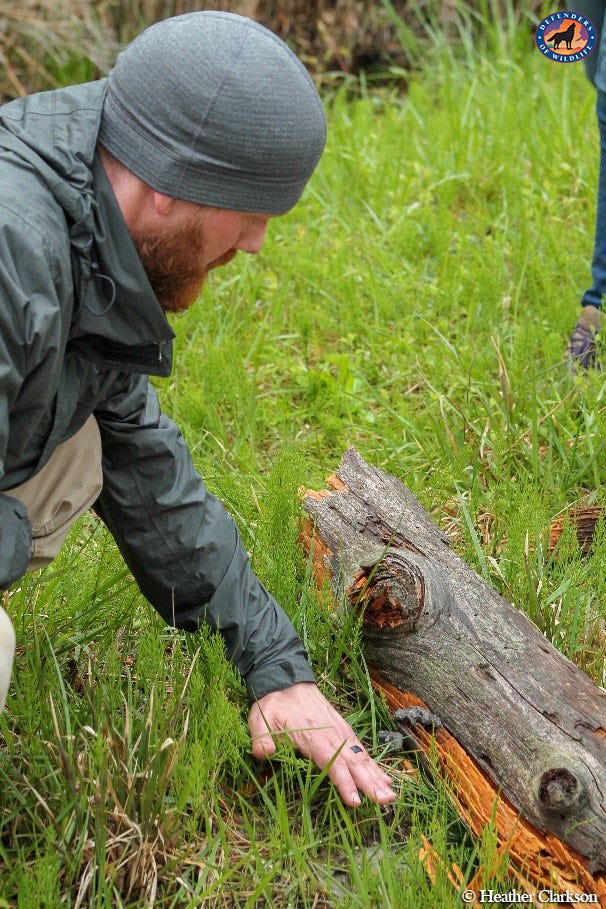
(541, 858)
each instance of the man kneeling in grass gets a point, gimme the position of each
(116, 199)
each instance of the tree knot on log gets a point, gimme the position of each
(561, 791)
(391, 592)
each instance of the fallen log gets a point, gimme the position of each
(520, 726)
(584, 520)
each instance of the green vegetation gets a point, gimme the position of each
(416, 304)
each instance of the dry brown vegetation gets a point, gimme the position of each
(44, 42)
(39, 37)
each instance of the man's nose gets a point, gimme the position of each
(252, 239)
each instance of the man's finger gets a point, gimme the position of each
(361, 765)
(368, 777)
(355, 773)
(263, 745)
(344, 783)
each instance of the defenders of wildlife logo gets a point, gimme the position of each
(566, 37)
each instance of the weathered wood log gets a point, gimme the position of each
(536, 859)
(518, 720)
(584, 520)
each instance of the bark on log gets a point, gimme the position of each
(519, 720)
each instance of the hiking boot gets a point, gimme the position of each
(582, 348)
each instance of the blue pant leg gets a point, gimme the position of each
(593, 296)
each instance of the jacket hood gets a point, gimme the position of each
(55, 133)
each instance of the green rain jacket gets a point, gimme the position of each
(80, 332)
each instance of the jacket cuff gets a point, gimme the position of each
(277, 676)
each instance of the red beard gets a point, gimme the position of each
(173, 259)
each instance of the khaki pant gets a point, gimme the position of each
(66, 486)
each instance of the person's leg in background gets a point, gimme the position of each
(582, 348)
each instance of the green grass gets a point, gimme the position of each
(416, 304)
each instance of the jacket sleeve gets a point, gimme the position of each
(15, 530)
(24, 282)
(15, 540)
(182, 546)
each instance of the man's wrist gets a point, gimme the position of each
(277, 676)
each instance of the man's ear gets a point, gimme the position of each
(162, 204)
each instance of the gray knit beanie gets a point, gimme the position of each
(215, 109)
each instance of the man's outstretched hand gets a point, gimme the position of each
(318, 731)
